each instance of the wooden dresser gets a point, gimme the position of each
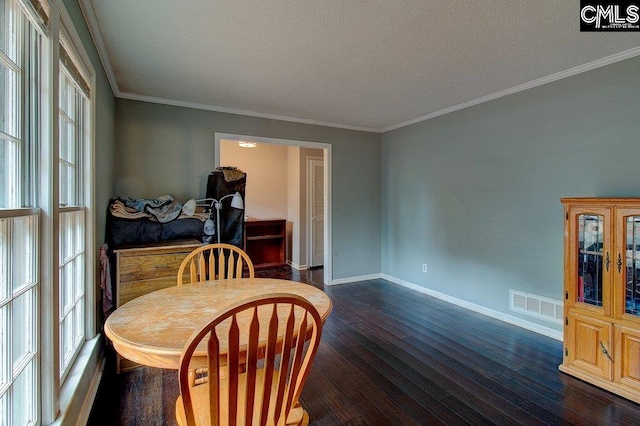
(146, 268)
(150, 267)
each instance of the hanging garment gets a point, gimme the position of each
(105, 280)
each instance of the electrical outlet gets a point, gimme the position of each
(424, 268)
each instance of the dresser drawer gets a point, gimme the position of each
(141, 266)
(131, 290)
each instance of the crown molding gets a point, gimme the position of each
(216, 108)
(627, 54)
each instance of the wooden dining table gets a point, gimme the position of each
(152, 329)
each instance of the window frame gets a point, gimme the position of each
(25, 115)
(39, 175)
(75, 197)
(61, 389)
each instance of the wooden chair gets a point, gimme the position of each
(215, 262)
(259, 353)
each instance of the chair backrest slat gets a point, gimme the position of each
(213, 368)
(231, 264)
(215, 262)
(269, 343)
(239, 268)
(295, 380)
(251, 366)
(193, 272)
(221, 263)
(233, 369)
(269, 361)
(201, 265)
(284, 362)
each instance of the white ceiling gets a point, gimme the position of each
(371, 65)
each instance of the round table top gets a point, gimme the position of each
(153, 329)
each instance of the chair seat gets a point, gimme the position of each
(200, 398)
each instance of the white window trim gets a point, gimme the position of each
(57, 401)
(87, 356)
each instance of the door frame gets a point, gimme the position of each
(309, 176)
(327, 267)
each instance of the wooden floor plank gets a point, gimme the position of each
(392, 356)
(395, 384)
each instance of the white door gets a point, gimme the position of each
(315, 235)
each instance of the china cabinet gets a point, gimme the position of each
(602, 293)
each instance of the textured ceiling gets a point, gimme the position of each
(371, 64)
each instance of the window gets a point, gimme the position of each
(37, 220)
(11, 60)
(72, 112)
(18, 319)
(20, 46)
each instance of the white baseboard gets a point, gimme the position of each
(546, 331)
(355, 279)
(296, 266)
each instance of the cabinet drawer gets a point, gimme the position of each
(131, 290)
(149, 266)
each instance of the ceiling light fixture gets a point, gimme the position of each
(247, 144)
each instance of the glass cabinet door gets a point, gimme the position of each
(590, 259)
(632, 263)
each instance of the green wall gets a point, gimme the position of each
(163, 149)
(474, 194)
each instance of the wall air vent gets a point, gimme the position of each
(536, 306)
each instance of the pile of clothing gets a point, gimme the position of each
(162, 209)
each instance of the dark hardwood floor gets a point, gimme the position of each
(392, 356)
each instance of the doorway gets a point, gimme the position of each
(298, 213)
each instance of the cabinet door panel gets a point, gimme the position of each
(628, 357)
(589, 338)
(627, 282)
(589, 257)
